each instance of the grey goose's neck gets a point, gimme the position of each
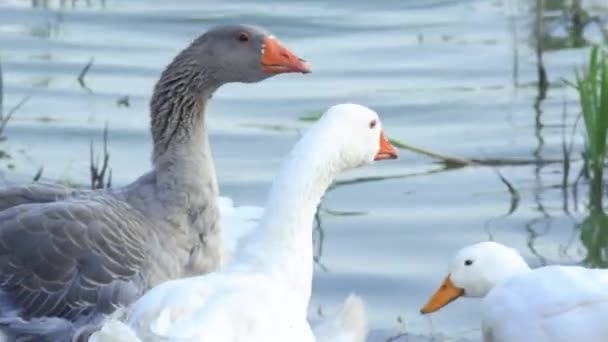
(182, 157)
(179, 102)
(185, 183)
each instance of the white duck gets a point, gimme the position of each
(547, 304)
(262, 294)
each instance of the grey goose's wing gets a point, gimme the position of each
(67, 260)
(32, 193)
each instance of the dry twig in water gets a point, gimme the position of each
(4, 119)
(98, 175)
(1, 90)
(83, 73)
(38, 175)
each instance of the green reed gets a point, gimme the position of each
(592, 87)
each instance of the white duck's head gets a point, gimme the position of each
(352, 136)
(475, 271)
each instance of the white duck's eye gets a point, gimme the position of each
(468, 262)
(372, 124)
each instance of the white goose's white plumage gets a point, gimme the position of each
(241, 221)
(262, 293)
(349, 324)
(114, 329)
(547, 304)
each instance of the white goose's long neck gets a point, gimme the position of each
(282, 244)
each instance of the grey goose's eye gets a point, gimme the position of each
(468, 262)
(372, 124)
(243, 37)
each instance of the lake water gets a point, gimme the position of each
(455, 77)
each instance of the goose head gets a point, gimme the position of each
(345, 137)
(474, 271)
(244, 53)
(354, 134)
(224, 54)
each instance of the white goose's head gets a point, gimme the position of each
(475, 271)
(353, 135)
(345, 137)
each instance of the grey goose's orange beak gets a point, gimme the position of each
(277, 59)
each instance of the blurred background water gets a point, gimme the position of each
(456, 76)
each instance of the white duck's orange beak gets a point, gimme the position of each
(277, 59)
(387, 150)
(446, 293)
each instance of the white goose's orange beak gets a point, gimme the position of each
(387, 150)
(446, 293)
(277, 59)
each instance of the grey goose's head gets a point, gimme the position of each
(243, 53)
(224, 54)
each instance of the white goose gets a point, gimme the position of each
(262, 294)
(547, 304)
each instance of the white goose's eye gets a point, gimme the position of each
(468, 262)
(372, 124)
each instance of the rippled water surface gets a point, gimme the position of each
(455, 77)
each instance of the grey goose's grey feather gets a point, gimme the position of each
(86, 258)
(68, 257)
(32, 193)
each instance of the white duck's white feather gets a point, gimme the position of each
(262, 294)
(553, 303)
(547, 304)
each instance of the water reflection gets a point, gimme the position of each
(594, 236)
(566, 27)
(542, 85)
(63, 4)
(51, 28)
(559, 25)
(594, 227)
